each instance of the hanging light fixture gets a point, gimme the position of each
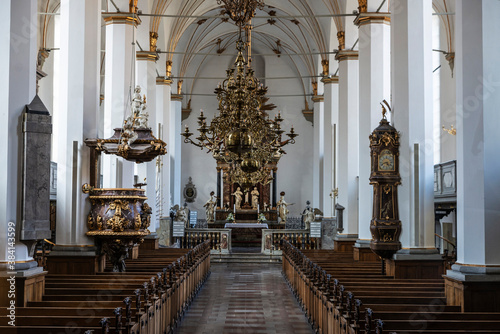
(242, 134)
(241, 11)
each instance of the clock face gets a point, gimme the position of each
(386, 161)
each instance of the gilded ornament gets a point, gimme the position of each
(118, 206)
(341, 38)
(387, 189)
(363, 7)
(387, 139)
(132, 7)
(116, 223)
(86, 188)
(153, 38)
(168, 72)
(137, 222)
(90, 222)
(326, 67)
(99, 223)
(315, 87)
(387, 237)
(147, 222)
(452, 131)
(179, 87)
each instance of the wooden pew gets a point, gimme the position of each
(342, 296)
(158, 289)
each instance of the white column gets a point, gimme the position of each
(119, 80)
(348, 140)
(175, 149)
(17, 88)
(412, 105)
(163, 91)
(318, 121)
(330, 129)
(76, 115)
(478, 135)
(146, 78)
(374, 87)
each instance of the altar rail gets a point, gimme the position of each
(219, 239)
(272, 240)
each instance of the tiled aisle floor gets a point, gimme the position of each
(245, 298)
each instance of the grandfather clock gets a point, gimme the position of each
(385, 225)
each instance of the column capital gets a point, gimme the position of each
(147, 55)
(330, 79)
(163, 81)
(121, 18)
(318, 98)
(372, 18)
(176, 97)
(346, 55)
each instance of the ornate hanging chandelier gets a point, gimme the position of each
(241, 11)
(242, 134)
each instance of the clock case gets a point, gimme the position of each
(385, 226)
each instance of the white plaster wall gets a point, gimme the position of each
(196, 163)
(448, 109)
(294, 168)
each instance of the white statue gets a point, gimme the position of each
(182, 215)
(255, 198)
(246, 196)
(308, 216)
(210, 208)
(238, 196)
(282, 208)
(139, 114)
(137, 101)
(129, 136)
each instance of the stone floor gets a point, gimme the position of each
(245, 298)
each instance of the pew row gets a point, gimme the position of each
(342, 296)
(150, 298)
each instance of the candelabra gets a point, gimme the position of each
(242, 134)
(241, 11)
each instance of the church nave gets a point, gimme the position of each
(244, 298)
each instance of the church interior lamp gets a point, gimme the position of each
(242, 134)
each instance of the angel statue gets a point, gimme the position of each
(137, 101)
(309, 215)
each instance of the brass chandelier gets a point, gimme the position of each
(242, 134)
(241, 11)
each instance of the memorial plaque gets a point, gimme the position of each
(193, 218)
(178, 229)
(315, 230)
